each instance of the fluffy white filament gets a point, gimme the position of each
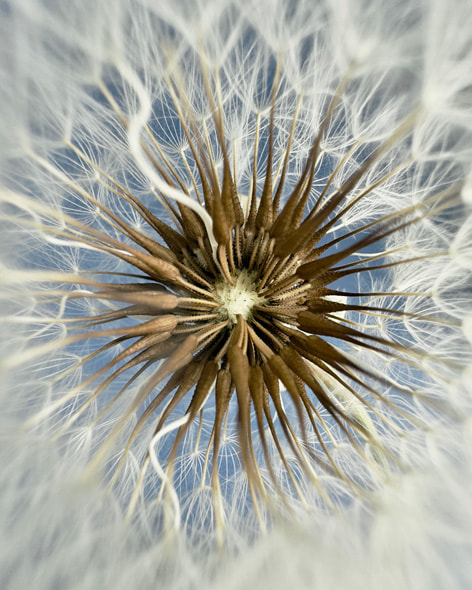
(59, 62)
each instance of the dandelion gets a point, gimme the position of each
(237, 275)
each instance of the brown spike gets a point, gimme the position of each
(239, 367)
(284, 373)
(173, 239)
(283, 222)
(191, 223)
(148, 299)
(156, 249)
(179, 358)
(296, 240)
(163, 323)
(152, 266)
(228, 193)
(295, 361)
(221, 228)
(223, 392)
(272, 383)
(185, 378)
(202, 389)
(264, 212)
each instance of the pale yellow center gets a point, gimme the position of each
(239, 298)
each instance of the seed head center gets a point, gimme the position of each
(239, 298)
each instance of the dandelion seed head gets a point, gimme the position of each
(237, 289)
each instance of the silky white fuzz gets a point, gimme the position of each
(89, 120)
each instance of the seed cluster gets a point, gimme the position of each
(242, 305)
(249, 312)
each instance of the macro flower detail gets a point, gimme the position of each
(240, 262)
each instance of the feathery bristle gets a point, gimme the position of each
(239, 299)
